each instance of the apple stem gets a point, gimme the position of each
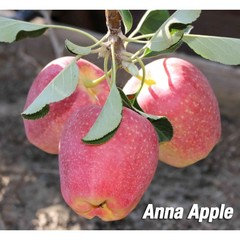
(106, 58)
(141, 78)
(95, 82)
(114, 64)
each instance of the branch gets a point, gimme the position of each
(114, 23)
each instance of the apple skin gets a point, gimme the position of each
(45, 132)
(178, 90)
(106, 180)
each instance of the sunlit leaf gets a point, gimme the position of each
(75, 49)
(108, 120)
(12, 30)
(219, 49)
(62, 86)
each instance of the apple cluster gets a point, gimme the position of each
(108, 180)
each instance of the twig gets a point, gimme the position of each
(113, 22)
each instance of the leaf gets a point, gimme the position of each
(152, 20)
(103, 139)
(125, 99)
(137, 106)
(148, 53)
(219, 49)
(163, 128)
(40, 114)
(13, 30)
(108, 120)
(75, 49)
(62, 86)
(127, 19)
(131, 68)
(164, 38)
(161, 124)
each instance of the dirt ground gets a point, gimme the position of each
(29, 182)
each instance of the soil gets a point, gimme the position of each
(29, 182)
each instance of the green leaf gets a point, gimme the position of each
(127, 20)
(125, 99)
(13, 30)
(108, 120)
(152, 20)
(149, 53)
(137, 106)
(75, 49)
(62, 86)
(103, 139)
(163, 128)
(164, 38)
(40, 114)
(219, 49)
(161, 124)
(131, 68)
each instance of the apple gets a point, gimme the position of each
(178, 90)
(45, 132)
(106, 180)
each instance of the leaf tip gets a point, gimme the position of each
(33, 116)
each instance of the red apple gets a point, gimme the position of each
(106, 180)
(45, 132)
(177, 89)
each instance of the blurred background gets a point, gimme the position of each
(29, 182)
